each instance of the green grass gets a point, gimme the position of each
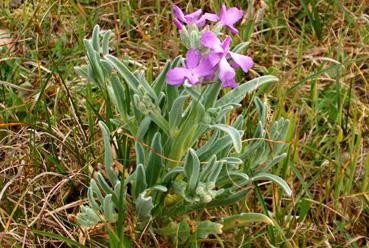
(49, 139)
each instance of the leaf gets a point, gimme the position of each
(140, 154)
(87, 216)
(275, 179)
(108, 158)
(180, 232)
(233, 133)
(211, 94)
(192, 170)
(95, 38)
(124, 72)
(105, 42)
(159, 82)
(205, 228)
(69, 242)
(103, 184)
(96, 190)
(262, 109)
(154, 163)
(175, 114)
(144, 206)
(244, 219)
(237, 94)
(140, 183)
(240, 47)
(96, 72)
(109, 209)
(159, 188)
(119, 97)
(91, 199)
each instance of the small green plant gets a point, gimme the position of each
(188, 151)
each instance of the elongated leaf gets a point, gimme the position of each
(233, 133)
(237, 94)
(221, 144)
(96, 190)
(192, 170)
(105, 42)
(109, 209)
(149, 90)
(262, 109)
(175, 114)
(144, 206)
(214, 172)
(245, 219)
(140, 183)
(211, 94)
(96, 38)
(119, 98)
(170, 176)
(276, 160)
(92, 201)
(205, 228)
(96, 72)
(69, 242)
(154, 163)
(108, 158)
(240, 47)
(124, 72)
(275, 179)
(159, 82)
(140, 154)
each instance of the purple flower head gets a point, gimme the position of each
(230, 17)
(193, 18)
(219, 55)
(196, 68)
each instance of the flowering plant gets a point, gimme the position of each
(188, 154)
(208, 58)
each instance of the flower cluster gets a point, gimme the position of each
(208, 58)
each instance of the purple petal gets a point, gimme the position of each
(210, 40)
(193, 57)
(226, 44)
(245, 62)
(205, 68)
(231, 16)
(178, 24)
(215, 58)
(178, 13)
(223, 12)
(177, 76)
(226, 72)
(193, 17)
(232, 29)
(230, 84)
(206, 17)
(192, 77)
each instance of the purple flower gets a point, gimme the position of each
(193, 18)
(196, 68)
(230, 17)
(220, 52)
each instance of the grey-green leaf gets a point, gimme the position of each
(233, 133)
(237, 94)
(108, 158)
(192, 170)
(244, 219)
(275, 179)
